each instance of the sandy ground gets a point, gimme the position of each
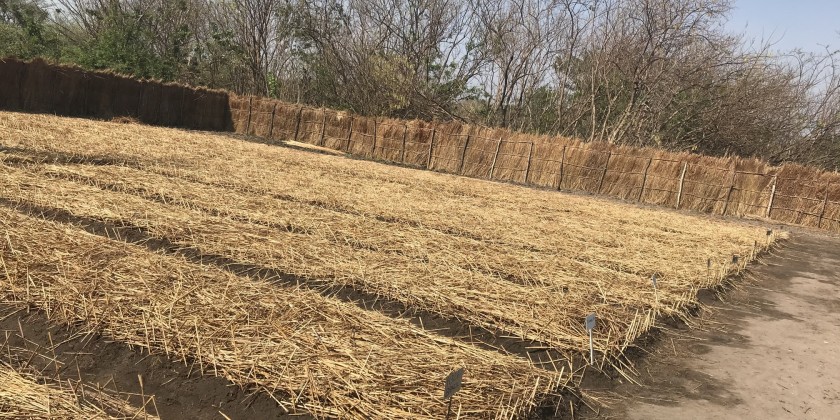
(767, 351)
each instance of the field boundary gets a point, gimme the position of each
(728, 186)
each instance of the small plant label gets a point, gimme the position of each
(735, 259)
(590, 322)
(590, 325)
(653, 279)
(453, 383)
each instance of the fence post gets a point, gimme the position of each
(562, 163)
(825, 202)
(431, 148)
(271, 123)
(495, 156)
(349, 136)
(323, 128)
(644, 179)
(405, 133)
(530, 155)
(248, 126)
(682, 181)
(464, 155)
(604, 174)
(297, 122)
(772, 196)
(729, 194)
(373, 148)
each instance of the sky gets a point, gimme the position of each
(805, 24)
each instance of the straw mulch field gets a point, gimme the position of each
(528, 265)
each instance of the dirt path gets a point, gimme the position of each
(768, 351)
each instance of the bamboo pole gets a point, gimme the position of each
(772, 196)
(349, 136)
(431, 148)
(402, 153)
(297, 122)
(824, 204)
(464, 155)
(248, 125)
(644, 179)
(604, 173)
(530, 155)
(271, 123)
(729, 194)
(373, 148)
(495, 156)
(324, 129)
(682, 182)
(562, 164)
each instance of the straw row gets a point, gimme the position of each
(310, 352)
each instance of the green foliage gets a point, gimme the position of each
(25, 31)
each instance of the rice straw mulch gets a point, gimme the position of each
(547, 313)
(314, 353)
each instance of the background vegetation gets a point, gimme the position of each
(662, 73)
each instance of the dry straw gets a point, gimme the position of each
(26, 394)
(458, 247)
(311, 352)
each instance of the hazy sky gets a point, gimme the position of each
(799, 23)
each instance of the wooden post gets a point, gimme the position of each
(349, 136)
(644, 179)
(562, 163)
(772, 196)
(825, 202)
(530, 155)
(248, 126)
(271, 123)
(464, 155)
(373, 148)
(729, 194)
(297, 123)
(405, 133)
(323, 128)
(682, 181)
(604, 174)
(495, 156)
(431, 148)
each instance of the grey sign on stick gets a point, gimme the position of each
(653, 278)
(734, 259)
(453, 383)
(590, 322)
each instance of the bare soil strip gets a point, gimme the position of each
(767, 351)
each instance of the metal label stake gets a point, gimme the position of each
(653, 279)
(590, 325)
(452, 386)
